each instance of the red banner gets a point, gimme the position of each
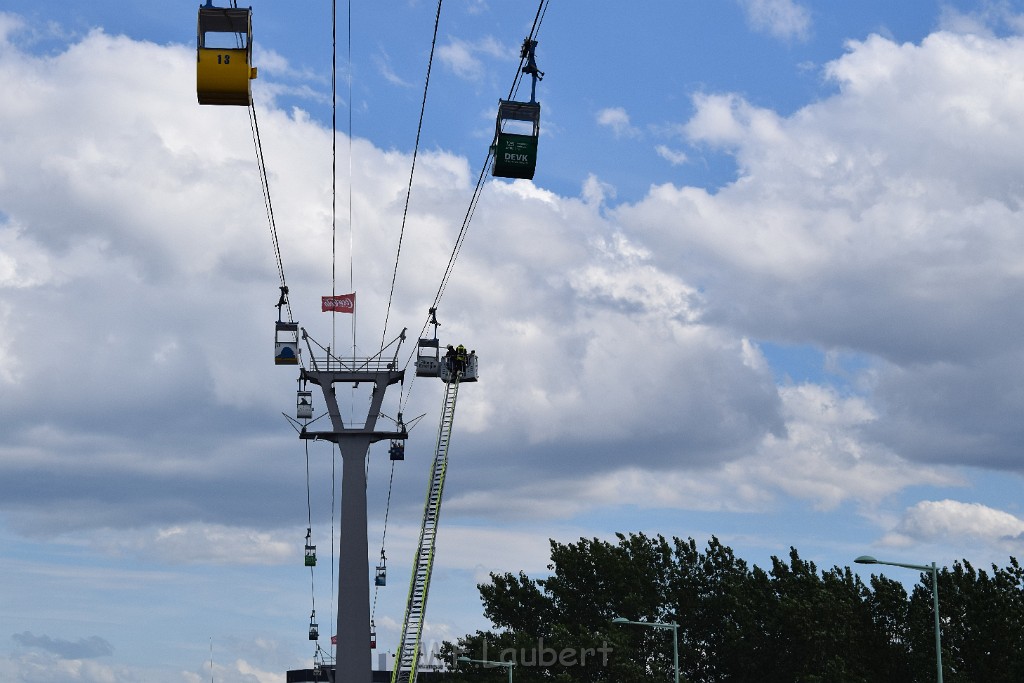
(342, 303)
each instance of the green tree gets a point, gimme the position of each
(791, 623)
(889, 608)
(982, 622)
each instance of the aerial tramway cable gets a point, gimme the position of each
(334, 158)
(309, 531)
(383, 539)
(538, 19)
(261, 162)
(398, 251)
(475, 199)
(412, 170)
(334, 170)
(268, 205)
(285, 303)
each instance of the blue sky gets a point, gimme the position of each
(765, 285)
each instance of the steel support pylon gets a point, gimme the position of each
(352, 654)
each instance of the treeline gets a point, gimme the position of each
(787, 624)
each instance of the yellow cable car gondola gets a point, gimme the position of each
(224, 55)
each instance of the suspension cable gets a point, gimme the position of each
(387, 510)
(480, 184)
(351, 232)
(334, 581)
(334, 171)
(412, 170)
(268, 205)
(474, 201)
(334, 156)
(309, 531)
(309, 507)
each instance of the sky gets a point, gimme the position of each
(764, 286)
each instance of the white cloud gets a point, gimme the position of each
(819, 457)
(618, 342)
(785, 19)
(615, 341)
(10, 24)
(983, 20)
(245, 668)
(728, 120)
(382, 60)
(827, 235)
(83, 648)
(674, 157)
(870, 232)
(217, 544)
(824, 457)
(958, 524)
(461, 56)
(33, 666)
(595, 192)
(617, 119)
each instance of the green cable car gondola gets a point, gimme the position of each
(515, 154)
(310, 556)
(515, 146)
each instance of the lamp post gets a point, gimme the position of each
(507, 665)
(867, 559)
(654, 624)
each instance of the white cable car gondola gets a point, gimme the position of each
(380, 576)
(286, 335)
(314, 630)
(428, 351)
(286, 343)
(428, 357)
(304, 405)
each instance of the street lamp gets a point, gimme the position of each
(867, 559)
(654, 624)
(507, 665)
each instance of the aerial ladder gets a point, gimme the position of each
(412, 625)
(430, 364)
